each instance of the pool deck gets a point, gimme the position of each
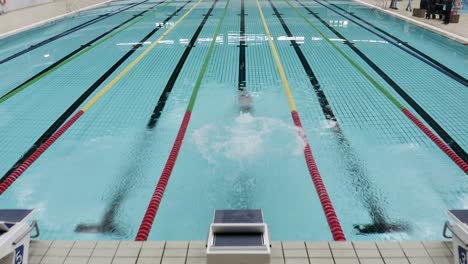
(193, 252)
(27, 18)
(456, 31)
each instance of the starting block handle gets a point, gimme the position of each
(33, 225)
(448, 226)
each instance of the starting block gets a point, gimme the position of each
(15, 235)
(238, 237)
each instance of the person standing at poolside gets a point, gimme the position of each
(430, 9)
(393, 4)
(448, 10)
(409, 6)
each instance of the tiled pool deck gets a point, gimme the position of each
(193, 252)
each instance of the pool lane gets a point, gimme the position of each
(233, 160)
(159, 107)
(448, 140)
(17, 42)
(391, 38)
(392, 150)
(79, 51)
(426, 41)
(355, 167)
(441, 98)
(22, 41)
(16, 71)
(327, 206)
(153, 206)
(116, 117)
(31, 153)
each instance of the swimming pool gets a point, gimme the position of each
(95, 181)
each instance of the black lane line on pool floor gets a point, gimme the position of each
(361, 182)
(69, 31)
(126, 184)
(108, 223)
(242, 195)
(59, 122)
(427, 118)
(242, 82)
(76, 51)
(245, 98)
(175, 73)
(425, 58)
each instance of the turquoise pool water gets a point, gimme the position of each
(388, 168)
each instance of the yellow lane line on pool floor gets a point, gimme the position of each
(327, 206)
(282, 74)
(135, 62)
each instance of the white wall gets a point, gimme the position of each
(18, 4)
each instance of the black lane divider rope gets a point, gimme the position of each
(71, 54)
(361, 182)
(413, 51)
(69, 31)
(175, 73)
(427, 118)
(61, 120)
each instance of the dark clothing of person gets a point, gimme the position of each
(423, 4)
(448, 11)
(435, 7)
(430, 8)
(393, 4)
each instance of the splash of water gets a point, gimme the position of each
(247, 138)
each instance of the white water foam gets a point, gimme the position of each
(246, 138)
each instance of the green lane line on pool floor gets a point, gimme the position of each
(156, 199)
(206, 62)
(79, 54)
(442, 145)
(346, 56)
